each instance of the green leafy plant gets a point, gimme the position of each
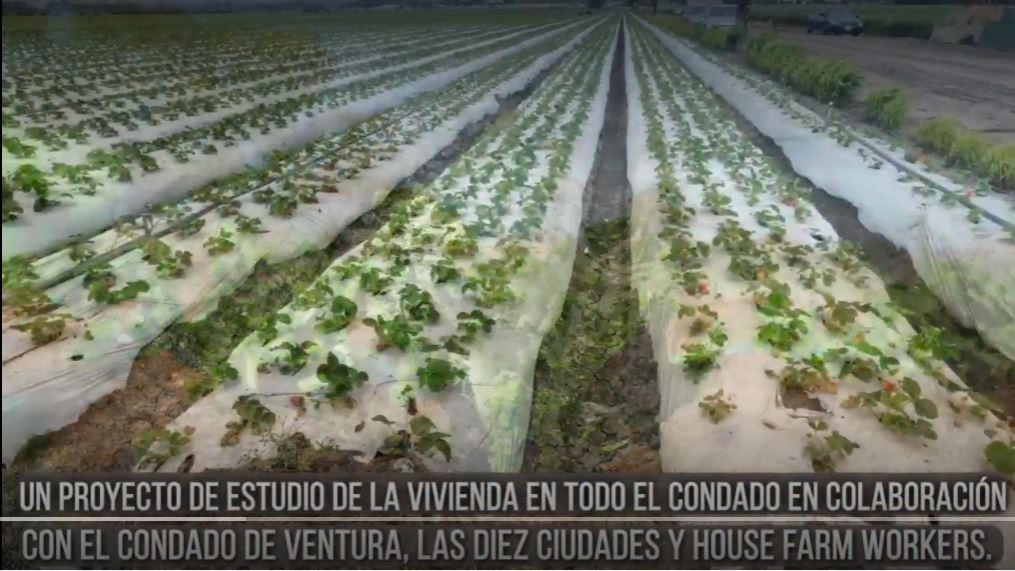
(700, 358)
(471, 324)
(293, 360)
(807, 376)
(339, 379)
(782, 334)
(156, 447)
(438, 374)
(716, 408)
(220, 243)
(100, 281)
(827, 450)
(1001, 456)
(374, 281)
(343, 312)
(444, 271)
(397, 332)
(427, 438)
(45, 328)
(886, 108)
(253, 416)
(248, 224)
(891, 404)
(418, 304)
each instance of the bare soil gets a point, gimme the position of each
(974, 85)
(596, 398)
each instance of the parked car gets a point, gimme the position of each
(835, 21)
(720, 17)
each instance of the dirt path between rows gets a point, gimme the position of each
(595, 395)
(974, 85)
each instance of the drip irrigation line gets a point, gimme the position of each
(126, 247)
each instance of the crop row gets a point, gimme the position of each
(127, 129)
(53, 126)
(958, 235)
(121, 181)
(52, 107)
(780, 349)
(420, 343)
(94, 324)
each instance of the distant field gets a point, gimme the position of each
(882, 20)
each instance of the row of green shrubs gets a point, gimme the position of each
(718, 39)
(837, 82)
(829, 81)
(963, 147)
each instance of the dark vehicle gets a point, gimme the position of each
(834, 21)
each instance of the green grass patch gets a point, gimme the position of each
(886, 108)
(1000, 165)
(829, 81)
(966, 148)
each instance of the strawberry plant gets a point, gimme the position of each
(827, 450)
(253, 416)
(156, 447)
(45, 328)
(220, 243)
(471, 324)
(444, 271)
(701, 357)
(427, 438)
(892, 403)
(343, 312)
(399, 331)
(438, 374)
(339, 379)
(418, 304)
(715, 407)
(100, 281)
(782, 334)
(293, 360)
(1001, 456)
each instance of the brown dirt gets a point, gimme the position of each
(102, 439)
(974, 85)
(596, 397)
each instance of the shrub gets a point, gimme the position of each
(961, 146)
(999, 165)
(829, 81)
(939, 135)
(886, 108)
(969, 150)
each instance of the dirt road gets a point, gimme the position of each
(974, 85)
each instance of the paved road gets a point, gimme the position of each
(974, 85)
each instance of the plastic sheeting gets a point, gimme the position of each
(45, 388)
(37, 231)
(969, 266)
(765, 433)
(486, 415)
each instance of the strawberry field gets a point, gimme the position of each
(537, 240)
